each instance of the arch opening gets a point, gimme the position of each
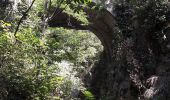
(100, 24)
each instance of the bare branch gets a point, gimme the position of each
(22, 18)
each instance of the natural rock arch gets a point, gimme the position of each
(101, 24)
(127, 79)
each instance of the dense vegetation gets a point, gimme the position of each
(84, 50)
(38, 62)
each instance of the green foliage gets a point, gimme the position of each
(88, 95)
(25, 69)
(78, 45)
(29, 68)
